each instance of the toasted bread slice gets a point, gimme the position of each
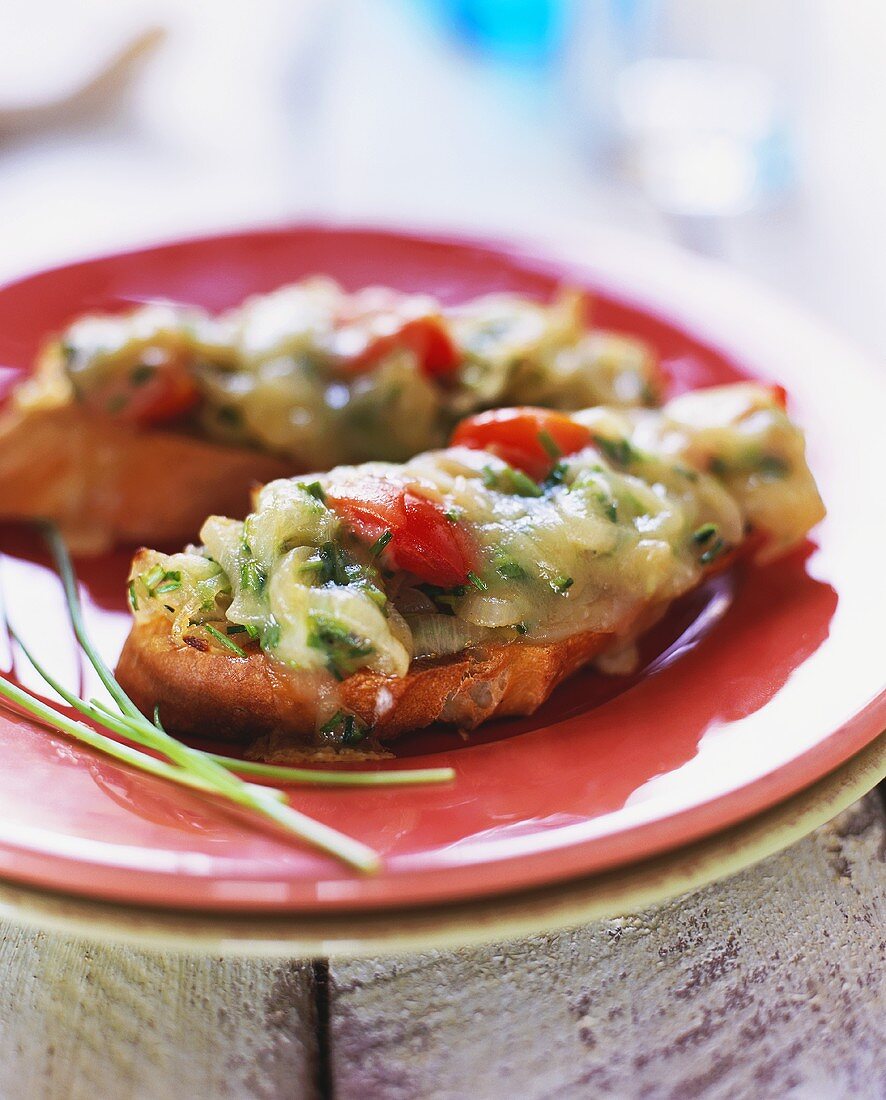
(104, 482)
(250, 699)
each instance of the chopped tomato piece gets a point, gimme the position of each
(157, 388)
(377, 323)
(423, 540)
(779, 394)
(527, 438)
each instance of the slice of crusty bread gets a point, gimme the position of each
(244, 699)
(104, 482)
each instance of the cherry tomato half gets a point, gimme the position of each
(423, 540)
(376, 323)
(527, 438)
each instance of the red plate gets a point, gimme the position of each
(753, 688)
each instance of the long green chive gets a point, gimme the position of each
(282, 774)
(223, 639)
(194, 761)
(477, 582)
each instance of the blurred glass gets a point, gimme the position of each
(701, 134)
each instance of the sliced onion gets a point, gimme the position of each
(441, 635)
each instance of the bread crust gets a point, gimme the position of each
(104, 482)
(209, 694)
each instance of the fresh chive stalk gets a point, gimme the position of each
(205, 772)
(260, 799)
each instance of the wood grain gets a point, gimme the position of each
(79, 1020)
(769, 984)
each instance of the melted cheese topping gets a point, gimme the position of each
(622, 528)
(278, 372)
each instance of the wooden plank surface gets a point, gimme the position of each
(84, 1021)
(770, 984)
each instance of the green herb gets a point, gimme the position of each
(236, 628)
(229, 416)
(477, 582)
(621, 452)
(270, 637)
(380, 543)
(334, 564)
(509, 569)
(344, 649)
(192, 768)
(167, 586)
(345, 728)
(313, 489)
(253, 578)
(550, 445)
(453, 515)
(153, 577)
(557, 475)
(406, 777)
(704, 533)
(712, 552)
(141, 374)
(773, 468)
(133, 598)
(562, 584)
(511, 481)
(223, 639)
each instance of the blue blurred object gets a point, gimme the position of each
(523, 31)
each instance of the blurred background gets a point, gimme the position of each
(751, 130)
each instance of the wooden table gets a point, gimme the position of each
(770, 983)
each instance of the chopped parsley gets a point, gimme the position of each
(562, 584)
